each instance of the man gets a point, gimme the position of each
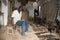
(16, 19)
(16, 16)
(4, 10)
(24, 21)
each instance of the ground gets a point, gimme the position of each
(36, 32)
(7, 33)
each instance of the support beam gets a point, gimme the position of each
(10, 13)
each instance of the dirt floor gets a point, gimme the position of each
(7, 33)
(43, 33)
(36, 32)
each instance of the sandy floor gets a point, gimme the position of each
(7, 33)
(34, 33)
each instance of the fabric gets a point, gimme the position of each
(16, 16)
(24, 26)
(19, 23)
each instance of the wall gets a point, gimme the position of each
(49, 10)
(30, 8)
(52, 10)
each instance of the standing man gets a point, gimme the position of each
(4, 10)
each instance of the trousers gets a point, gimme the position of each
(24, 26)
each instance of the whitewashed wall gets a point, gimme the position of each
(30, 8)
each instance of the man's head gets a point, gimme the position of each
(20, 8)
(15, 9)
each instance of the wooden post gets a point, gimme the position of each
(10, 13)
